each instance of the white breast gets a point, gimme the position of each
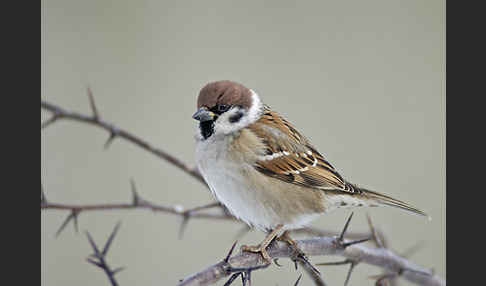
(228, 181)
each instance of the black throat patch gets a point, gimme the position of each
(207, 128)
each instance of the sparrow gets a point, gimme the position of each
(265, 171)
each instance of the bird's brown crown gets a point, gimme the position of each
(224, 92)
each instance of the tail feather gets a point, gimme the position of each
(389, 201)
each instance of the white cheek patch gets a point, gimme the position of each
(223, 125)
(256, 108)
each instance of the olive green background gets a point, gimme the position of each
(364, 80)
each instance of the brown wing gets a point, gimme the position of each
(290, 157)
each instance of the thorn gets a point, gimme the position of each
(243, 281)
(306, 262)
(92, 104)
(110, 239)
(298, 256)
(245, 273)
(275, 260)
(109, 140)
(93, 245)
(232, 278)
(50, 120)
(376, 238)
(341, 237)
(98, 258)
(346, 244)
(72, 216)
(334, 263)
(347, 261)
(75, 221)
(247, 278)
(135, 197)
(43, 195)
(94, 262)
(187, 215)
(312, 271)
(351, 267)
(226, 259)
(182, 228)
(298, 280)
(117, 270)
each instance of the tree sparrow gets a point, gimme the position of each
(264, 170)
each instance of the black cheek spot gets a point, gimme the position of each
(235, 118)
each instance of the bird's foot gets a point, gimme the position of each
(285, 237)
(298, 254)
(262, 247)
(258, 249)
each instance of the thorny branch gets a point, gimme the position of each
(320, 246)
(114, 132)
(137, 203)
(98, 258)
(344, 245)
(242, 264)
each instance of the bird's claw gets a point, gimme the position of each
(258, 249)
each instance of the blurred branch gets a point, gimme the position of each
(59, 113)
(386, 279)
(310, 230)
(380, 257)
(352, 250)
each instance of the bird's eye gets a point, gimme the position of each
(223, 107)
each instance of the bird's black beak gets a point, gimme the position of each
(203, 114)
